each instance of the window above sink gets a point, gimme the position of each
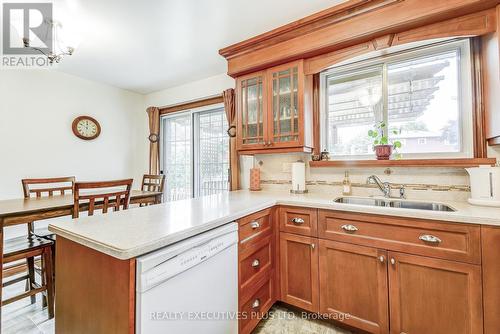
(422, 95)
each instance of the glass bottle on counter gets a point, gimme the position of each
(346, 185)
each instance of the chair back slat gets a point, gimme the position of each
(108, 197)
(91, 206)
(105, 205)
(153, 182)
(48, 186)
(117, 204)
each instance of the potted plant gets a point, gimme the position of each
(382, 146)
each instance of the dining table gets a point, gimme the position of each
(25, 210)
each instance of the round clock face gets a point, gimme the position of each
(86, 127)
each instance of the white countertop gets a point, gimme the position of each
(137, 231)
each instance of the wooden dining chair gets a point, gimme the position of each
(37, 188)
(46, 187)
(154, 183)
(101, 196)
(24, 248)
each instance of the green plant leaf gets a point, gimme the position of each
(395, 132)
(397, 144)
(370, 133)
(375, 142)
(384, 140)
(375, 134)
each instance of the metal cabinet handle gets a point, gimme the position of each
(430, 238)
(255, 263)
(298, 221)
(349, 228)
(381, 258)
(313, 246)
(393, 262)
(256, 303)
(254, 225)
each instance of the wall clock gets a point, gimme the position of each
(86, 128)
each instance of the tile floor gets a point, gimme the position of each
(281, 320)
(23, 317)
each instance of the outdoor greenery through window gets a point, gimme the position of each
(422, 97)
(195, 153)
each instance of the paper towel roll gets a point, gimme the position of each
(298, 177)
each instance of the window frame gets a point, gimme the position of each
(194, 136)
(466, 91)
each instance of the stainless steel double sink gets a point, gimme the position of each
(394, 203)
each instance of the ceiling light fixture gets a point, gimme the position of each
(58, 50)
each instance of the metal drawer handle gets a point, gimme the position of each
(381, 258)
(430, 238)
(254, 225)
(349, 228)
(255, 263)
(256, 303)
(298, 221)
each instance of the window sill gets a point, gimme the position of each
(459, 163)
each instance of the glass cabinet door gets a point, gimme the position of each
(252, 111)
(285, 105)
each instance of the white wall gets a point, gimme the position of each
(192, 91)
(37, 108)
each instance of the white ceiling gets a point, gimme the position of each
(145, 46)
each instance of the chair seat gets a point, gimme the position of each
(44, 233)
(24, 244)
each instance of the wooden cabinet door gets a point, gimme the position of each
(286, 120)
(353, 285)
(299, 271)
(434, 296)
(251, 112)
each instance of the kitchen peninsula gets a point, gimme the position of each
(95, 257)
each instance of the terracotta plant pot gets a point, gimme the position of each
(383, 152)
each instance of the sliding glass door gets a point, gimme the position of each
(177, 156)
(195, 153)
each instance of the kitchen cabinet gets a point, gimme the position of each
(302, 221)
(299, 271)
(274, 110)
(251, 131)
(434, 296)
(353, 282)
(256, 268)
(491, 85)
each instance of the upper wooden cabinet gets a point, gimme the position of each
(274, 110)
(491, 80)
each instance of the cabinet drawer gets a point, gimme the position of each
(302, 221)
(254, 261)
(255, 224)
(254, 308)
(459, 242)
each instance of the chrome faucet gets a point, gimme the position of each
(385, 187)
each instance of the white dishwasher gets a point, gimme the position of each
(191, 286)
